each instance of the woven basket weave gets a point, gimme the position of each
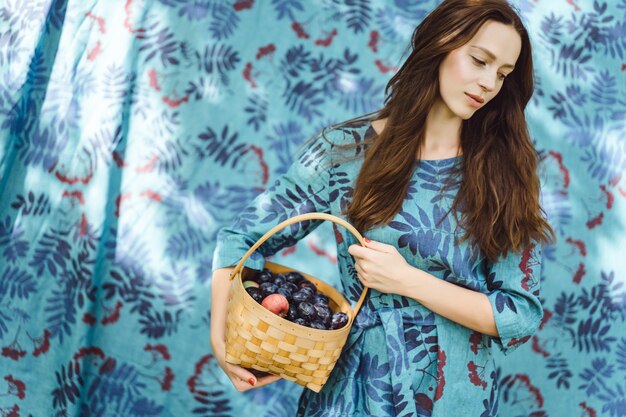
(259, 339)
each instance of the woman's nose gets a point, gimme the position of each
(488, 82)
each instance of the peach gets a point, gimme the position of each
(277, 304)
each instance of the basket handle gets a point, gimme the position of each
(297, 219)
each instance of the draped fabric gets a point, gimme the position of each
(131, 131)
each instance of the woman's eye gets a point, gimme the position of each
(502, 77)
(478, 61)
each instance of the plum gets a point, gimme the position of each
(301, 321)
(321, 298)
(294, 277)
(264, 276)
(306, 283)
(318, 325)
(306, 311)
(323, 314)
(256, 294)
(293, 312)
(339, 320)
(284, 292)
(268, 288)
(301, 296)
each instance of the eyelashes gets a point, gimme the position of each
(480, 63)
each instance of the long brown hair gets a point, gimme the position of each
(499, 195)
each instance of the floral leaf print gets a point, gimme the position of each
(40, 146)
(257, 109)
(247, 219)
(565, 311)
(601, 297)
(286, 8)
(358, 14)
(503, 301)
(571, 62)
(423, 404)
(362, 97)
(225, 21)
(281, 208)
(296, 60)
(374, 372)
(592, 334)
(217, 58)
(177, 288)
(68, 387)
(158, 325)
(428, 177)
(559, 370)
(595, 377)
(614, 402)
(621, 354)
(604, 89)
(32, 204)
(491, 404)
(16, 283)
(304, 99)
(339, 186)
(11, 238)
(159, 41)
(223, 147)
(197, 10)
(185, 244)
(410, 238)
(416, 327)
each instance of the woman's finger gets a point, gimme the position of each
(267, 380)
(242, 375)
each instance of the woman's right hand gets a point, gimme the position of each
(242, 379)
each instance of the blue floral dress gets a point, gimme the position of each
(401, 359)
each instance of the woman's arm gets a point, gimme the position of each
(510, 312)
(469, 308)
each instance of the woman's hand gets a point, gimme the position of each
(381, 267)
(242, 379)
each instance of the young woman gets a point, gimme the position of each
(442, 181)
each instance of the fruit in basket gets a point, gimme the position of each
(264, 276)
(294, 277)
(301, 297)
(306, 311)
(284, 292)
(323, 314)
(268, 288)
(339, 320)
(256, 294)
(321, 298)
(294, 298)
(277, 304)
(307, 284)
(248, 284)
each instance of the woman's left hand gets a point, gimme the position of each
(381, 267)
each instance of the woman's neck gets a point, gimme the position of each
(443, 136)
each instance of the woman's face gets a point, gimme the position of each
(470, 76)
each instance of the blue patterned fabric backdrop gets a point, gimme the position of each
(131, 131)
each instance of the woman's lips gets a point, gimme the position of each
(474, 100)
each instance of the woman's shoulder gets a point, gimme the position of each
(348, 133)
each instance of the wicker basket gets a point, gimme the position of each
(259, 339)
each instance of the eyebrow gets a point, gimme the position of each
(492, 56)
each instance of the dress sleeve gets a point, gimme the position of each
(302, 189)
(513, 283)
